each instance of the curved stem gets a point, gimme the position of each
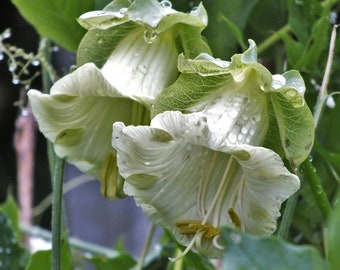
(309, 173)
(271, 40)
(146, 247)
(323, 90)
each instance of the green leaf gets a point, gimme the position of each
(98, 44)
(41, 260)
(123, 261)
(222, 41)
(12, 255)
(236, 31)
(56, 19)
(10, 209)
(296, 126)
(244, 251)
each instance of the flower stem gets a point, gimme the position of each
(151, 232)
(74, 242)
(276, 36)
(57, 212)
(287, 217)
(309, 173)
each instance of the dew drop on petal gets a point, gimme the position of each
(123, 10)
(150, 36)
(142, 68)
(232, 137)
(257, 117)
(233, 114)
(244, 130)
(166, 4)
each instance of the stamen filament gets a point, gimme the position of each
(185, 252)
(203, 187)
(222, 186)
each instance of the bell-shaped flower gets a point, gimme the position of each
(245, 102)
(187, 177)
(128, 56)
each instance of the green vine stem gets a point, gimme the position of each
(73, 242)
(276, 36)
(308, 172)
(272, 39)
(150, 234)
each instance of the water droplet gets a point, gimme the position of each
(333, 17)
(142, 68)
(55, 49)
(257, 117)
(244, 130)
(12, 67)
(15, 80)
(290, 93)
(166, 4)
(35, 62)
(6, 34)
(1, 56)
(240, 138)
(251, 132)
(150, 36)
(330, 103)
(100, 41)
(245, 117)
(147, 163)
(233, 114)
(123, 10)
(232, 137)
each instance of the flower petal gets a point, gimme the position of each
(77, 117)
(189, 180)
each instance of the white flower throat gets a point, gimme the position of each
(240, 117)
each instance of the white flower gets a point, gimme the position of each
(189, 179)
(128, 56)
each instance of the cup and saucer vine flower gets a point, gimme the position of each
(127, 57)
(212, 154)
